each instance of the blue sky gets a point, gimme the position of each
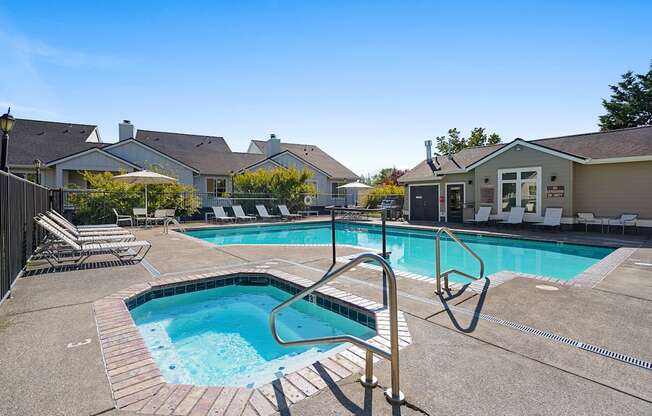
(368, 81)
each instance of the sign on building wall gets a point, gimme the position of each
(487, 195)
(555, 191)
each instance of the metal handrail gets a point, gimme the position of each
(169, 220)
(452, 270)
(393, 394)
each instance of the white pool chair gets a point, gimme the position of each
(240, 215)
(86, 231)
(262, 213)
(160, 215)
(623, 221)
(87, 237)
(552, 218)
(481, 217)
(220, 214)
(140, 215)
(587, 218)
(54, 213)
(122, 218)
(515, 216)
(285, 212)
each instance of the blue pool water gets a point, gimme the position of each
(414, 250)
(221, 336)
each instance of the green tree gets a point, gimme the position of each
(454, 142)
(387, 176)
(630, 104)
(288, 185)
(96, 204)
(375, 196)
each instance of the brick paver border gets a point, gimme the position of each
(138, 385)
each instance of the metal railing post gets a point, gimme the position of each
(333, 235)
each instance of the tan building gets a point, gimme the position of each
(606, 173)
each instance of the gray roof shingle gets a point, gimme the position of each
(46, 140)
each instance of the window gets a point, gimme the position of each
(216, 186)
(337, 192)
(520, 188)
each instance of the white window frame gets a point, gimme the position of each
(518, 181)
(216, 178)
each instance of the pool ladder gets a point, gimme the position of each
(393, 394)
(445, 274)
(170, 220)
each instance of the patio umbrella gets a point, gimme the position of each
(355, 187)
(144, 177)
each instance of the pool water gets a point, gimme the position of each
(413, 250)
(221, 336)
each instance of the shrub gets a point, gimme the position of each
(287, 185)
(96, 205)
(375, 196)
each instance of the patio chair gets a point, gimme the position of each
(220, 214)
(285, 212)
(87, 231)
(515, 216)
(552, 218)
(122, 218)
(86, 238)
(160, 215)
(587, 218)
(140, 215)
(623, 221)
(481, 217)
(81, 227)
(70, 251)
(262, 213)
(240, 215)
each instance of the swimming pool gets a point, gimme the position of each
(221, 336)
(413, 250)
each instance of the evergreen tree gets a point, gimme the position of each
(630, 104)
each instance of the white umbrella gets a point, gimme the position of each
(144, 177)
(354, 185)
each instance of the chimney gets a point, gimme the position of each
(273, 146)
(428, 144)
(126, 130)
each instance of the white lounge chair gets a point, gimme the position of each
(482, 216)
(587, 218)
(220, 214)
(87, 231)
(240, 215)
(54, 213)
(262, 213)
(515, 216)
(552, 218)
(68, 250)
(122, 218)
(623, 221)
(285, 212)
(86, 238)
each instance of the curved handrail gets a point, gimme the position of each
(445, 274)
(394, 393)
(169, 220)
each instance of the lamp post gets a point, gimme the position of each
(6, 124)
(38, 165)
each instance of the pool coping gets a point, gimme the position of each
(137, 384)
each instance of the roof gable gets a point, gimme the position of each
(149, 148)
(531, 145)
(90, 151)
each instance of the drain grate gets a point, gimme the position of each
(616, 356)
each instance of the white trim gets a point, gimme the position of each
(446, 198)
(620, 160)
(269, 159)
(151, 149)
(88, 151)
(424, 179)
(533, 146)
(437, 184)
(499, 191)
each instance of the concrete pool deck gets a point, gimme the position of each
(457, 364)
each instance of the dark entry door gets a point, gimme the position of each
(455, 202)
(423, 203)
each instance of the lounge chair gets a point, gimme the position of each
(160, 215)
(285, 212)
(88, 237)
(240, 215)
(86, 231)
(552, 218)
(68, 250)
(623, 221)
(515, 216)
(587, 218)
(140, 215)
(262, 213)
(81, 227)
(122, 218)
(220, 214)
(481, 217)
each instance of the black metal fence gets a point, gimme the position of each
(20, 201)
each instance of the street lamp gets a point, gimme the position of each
(6, 124)
(38, 165)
